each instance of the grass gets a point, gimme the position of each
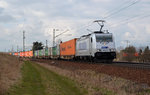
(104, 91)
(101, 84)
(9, 71)
(145, 92)
(85, 79)
(57, 84)
(31, 83)
(37, 80)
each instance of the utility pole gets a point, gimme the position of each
(53, 37)
(127, 43)
(12, 50)
(46, 44)
(57, 35)
(17, 48)
(23, 41)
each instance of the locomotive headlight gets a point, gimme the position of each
(99, 50)
(113, 49)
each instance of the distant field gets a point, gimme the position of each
(9, 71)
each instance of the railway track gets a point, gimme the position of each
(133, 65)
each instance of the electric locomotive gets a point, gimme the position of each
(97, 45)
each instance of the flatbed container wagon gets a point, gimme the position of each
(36, 54)
(50, 52)
(55, 52)
(46, 52)
(43, 52)
(39, 53)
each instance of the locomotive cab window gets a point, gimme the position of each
(104, 38)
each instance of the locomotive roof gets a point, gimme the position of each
(96, 32)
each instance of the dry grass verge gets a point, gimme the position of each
(101, 84)
(9, 71)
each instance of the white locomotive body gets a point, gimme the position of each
(97, 45)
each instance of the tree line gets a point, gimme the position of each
(132, 54)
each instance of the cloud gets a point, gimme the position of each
(39, 17)
(3, 4)
(1, 10)
(101, 1)
(6, 18)
(147, 28)
(127, 34)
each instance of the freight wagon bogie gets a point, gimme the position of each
(67, 57)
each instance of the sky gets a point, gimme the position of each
(128, 20)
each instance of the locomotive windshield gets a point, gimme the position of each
(104, 38)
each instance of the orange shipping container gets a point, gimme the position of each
(27, 54)
(16, 54)
(30, 53)
(68, 48)
(21, 54)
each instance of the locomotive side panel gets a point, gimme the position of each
(83, 47)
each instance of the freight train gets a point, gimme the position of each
(97, 45)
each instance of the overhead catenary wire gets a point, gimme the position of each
(113, 13)
(125, 20)
(121, 9)
(131, 19)
(84, 26)
(91, 22)
(116, 8)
